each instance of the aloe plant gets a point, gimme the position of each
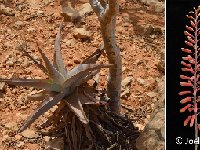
(191, 66)
(61, 85)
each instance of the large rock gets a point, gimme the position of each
(70, 14)
(85, 9)
(153, 136)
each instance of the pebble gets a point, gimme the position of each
(56, 144)
(47, 138)
(31, 29)
(126, 81)
(29, 134)
(20, 144)
(19, 25)
(125, 93)
(6, 10)
(7, 45)
(69, 64)
(152, 94)
(81, 33)
(77, 61)
(9, 63)
(11, 126)
(159, 7)
(70, 42)
(141, 81)
(18, 137)
(2, 86)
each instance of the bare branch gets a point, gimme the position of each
(98, 8)
(107, 23)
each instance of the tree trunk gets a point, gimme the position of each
(107, 18)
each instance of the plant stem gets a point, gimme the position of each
(107, 18)
(195, 77)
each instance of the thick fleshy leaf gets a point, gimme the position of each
(55, 117)
(36, 83)
(90, 76)
(74, 103)
(39, 96)
(81, 71)
(53, 73)
(45, 106)
(57, 56)
(38, 64)
(85, 100)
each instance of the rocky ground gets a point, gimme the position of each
(140, 36)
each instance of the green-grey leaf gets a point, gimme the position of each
(74, 103)
(90, 76)
(36, 83)
(37, 96)
(45, 106)
(81, 71)
(57, 56)
(53, 73)
(38, 64)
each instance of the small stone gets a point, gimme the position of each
(18, 137)
(2, 86)
(11, 126)
(69, 64)
(81, 33)
(159, 7)
(70, 43)
(152, 94)
(139, 126)
(47, 138)
(10, 63)
(40, 13)
(6, 10)
(23, 107)
(162, 130)
(126, 81)
(141, 81)
(31, 29)
(20, 144)
(5, 138)
(77, 61)
(19, 25)
(125, 93)
(29, 134)
(7, 45)
(56, 144)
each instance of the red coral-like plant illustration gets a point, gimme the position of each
(191, 68)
